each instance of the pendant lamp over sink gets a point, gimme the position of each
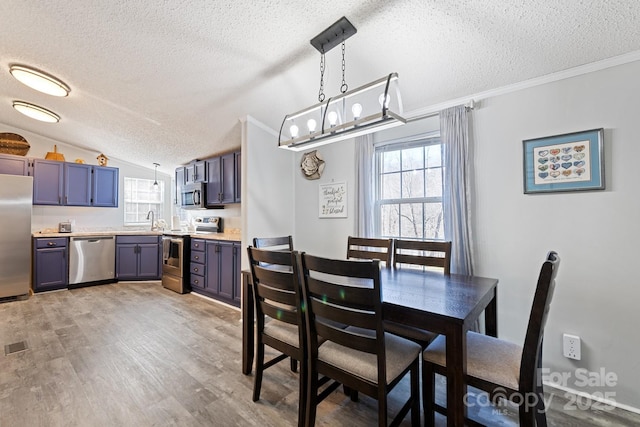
(366, 109)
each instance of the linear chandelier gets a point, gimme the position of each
(366, 109)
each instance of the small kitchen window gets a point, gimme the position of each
(140, 197)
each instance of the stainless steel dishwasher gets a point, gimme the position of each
(92, 259)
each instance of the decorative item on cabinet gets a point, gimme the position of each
(12, 143)
(54, 155)
(102, 160)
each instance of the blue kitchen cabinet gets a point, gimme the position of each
(105, 187)
(77, 184)
(48, 179)
(222, 183)
(197, 266)
(238, 177)
(221, 271)
(14, 165)
(195, 171)
(138, 257)
(74, 184)
(50, 266)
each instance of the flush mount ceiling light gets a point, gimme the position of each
(366, 109)
(36, 112)
(39, 80)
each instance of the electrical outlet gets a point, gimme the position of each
(571, 346)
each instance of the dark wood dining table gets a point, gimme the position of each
(446, 304)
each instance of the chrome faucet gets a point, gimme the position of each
(151, 214)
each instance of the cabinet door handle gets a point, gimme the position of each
(196, 281)
(196, 257)
(195, 270)
(51, 244)
(66, 200)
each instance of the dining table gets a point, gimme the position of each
(449, 305)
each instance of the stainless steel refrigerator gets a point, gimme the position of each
(15, 234)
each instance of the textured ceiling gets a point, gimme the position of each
(167, 81)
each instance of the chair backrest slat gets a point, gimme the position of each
(274, 243)
(346, 293)
(370, 248)
(532, 349)
(422, 252)
(275, 288)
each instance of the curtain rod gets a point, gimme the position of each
(469, 106)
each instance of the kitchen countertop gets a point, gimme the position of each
(98, 233)
(232, 235)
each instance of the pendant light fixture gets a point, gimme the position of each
(156, 186)
(366, 109)
(36, 112)
(39, 80)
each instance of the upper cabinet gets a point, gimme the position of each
(73, 184)
(14, 165)
(223, 179)
(195, 172)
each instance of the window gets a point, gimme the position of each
(409, 189)
(139, 198)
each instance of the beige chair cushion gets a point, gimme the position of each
(282, 331)
(415, 334)
(400, 353)
(488, 358)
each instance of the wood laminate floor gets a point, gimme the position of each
(136, 354)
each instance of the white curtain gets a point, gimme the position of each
(454, 132)
(365, 200)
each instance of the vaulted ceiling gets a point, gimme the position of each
(167, 81)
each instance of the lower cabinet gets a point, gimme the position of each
(50, 266)
(138, 257)
(215, 269)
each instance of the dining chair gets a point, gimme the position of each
(370, 248)
(361, 356)
(274, 243)
(425, 253)
(501, 368)
(279, 320)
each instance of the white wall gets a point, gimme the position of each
(267, 186)
(86, 217)
(596, 233)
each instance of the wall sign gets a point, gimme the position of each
(333, 200)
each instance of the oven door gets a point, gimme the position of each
(172, 255)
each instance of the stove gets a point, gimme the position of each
(208, 225)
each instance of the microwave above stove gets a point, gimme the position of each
(193, 196)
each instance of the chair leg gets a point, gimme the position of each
(259, 370)
(294, 365)
(428, 393)
(302, 394)
(541, 411)
(382, 408)
(311, 398)
(415, 394)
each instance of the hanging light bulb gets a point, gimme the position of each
(382, 99)
(293, 131)
(333, 118)
(311, 124)
(356, 109)
(156, 186)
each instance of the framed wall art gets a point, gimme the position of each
(568, 162)
(333, 200)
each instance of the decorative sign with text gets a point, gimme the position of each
(333, 200)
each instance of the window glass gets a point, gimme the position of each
(409, 180)
(140, 197)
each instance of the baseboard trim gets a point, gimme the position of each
(613, 403)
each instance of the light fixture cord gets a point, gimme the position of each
(321, 92)
(344, 86)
